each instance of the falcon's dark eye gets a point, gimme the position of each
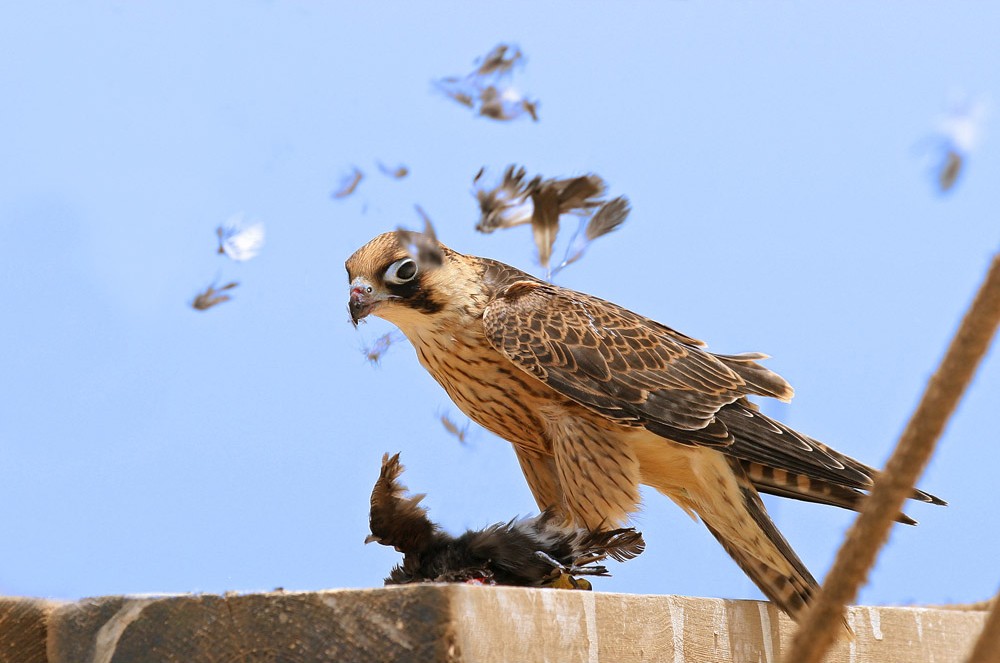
(401, 271)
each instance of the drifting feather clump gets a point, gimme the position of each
(239, 241)
(488, 89)
(212, 296)
(515, 201)
(957, 136)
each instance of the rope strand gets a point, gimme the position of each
(823, 620)
(987, 647)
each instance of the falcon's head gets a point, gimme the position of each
(399, 275)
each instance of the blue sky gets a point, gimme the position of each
(772, 155)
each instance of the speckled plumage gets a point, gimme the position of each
(597, 400)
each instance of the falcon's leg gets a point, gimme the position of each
(718, 490)
(598, 473)
(540, 473)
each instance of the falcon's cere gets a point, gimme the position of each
(530, 552)
(597, 400)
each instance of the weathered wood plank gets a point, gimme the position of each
(23, 629)
(338, 625)
(532, 626)
(454, 624)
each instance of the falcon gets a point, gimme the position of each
(597, 400)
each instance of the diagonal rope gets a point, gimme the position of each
(987, 647)
(823, 620)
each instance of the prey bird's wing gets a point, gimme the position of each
(396, 519)
(624, 366)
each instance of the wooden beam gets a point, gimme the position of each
(24, 629)
(456, 623)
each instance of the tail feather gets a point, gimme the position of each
(758, 439)
(791, 593)
(782, 483)
(718, 490)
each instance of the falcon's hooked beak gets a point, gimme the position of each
(364, 299)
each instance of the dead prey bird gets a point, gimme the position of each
(528, 552)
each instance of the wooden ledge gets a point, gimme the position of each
(454, 623)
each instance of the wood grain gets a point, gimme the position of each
(433, 623)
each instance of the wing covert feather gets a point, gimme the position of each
(620, 364)
(640, 373)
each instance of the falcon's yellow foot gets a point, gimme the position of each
(566, 581)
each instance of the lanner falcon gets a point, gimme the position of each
(597, 399)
